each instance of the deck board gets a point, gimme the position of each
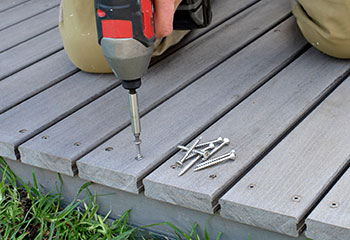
(24, 11)
(27, 29)
(328, 221)
(29, 52)
(48, 107)
(249, 76)
(304, 164)
(167, 126)
(34, 79)
(7, 4)
(253, 127)
(162, 78)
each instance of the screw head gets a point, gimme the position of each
(212, 176)
(296, 198)
(77, 144)
(251, 186)
(22, 130)
(334, 205)
(45, 137)
(109, 149)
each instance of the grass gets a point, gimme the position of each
(27, 213)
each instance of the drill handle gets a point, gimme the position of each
(125, 19)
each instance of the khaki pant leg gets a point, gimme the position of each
(326, 25)
(79, 35)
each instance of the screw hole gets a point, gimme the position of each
(109, 149)
(22, 130)
(251, 186)
(45, 137)
(173, 166)
(296, 198)
(77, 144)
(277, 30)
(334, 204)
(213, 176)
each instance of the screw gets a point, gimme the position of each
(213, 176)
(109, 149)
(193, 162)
(334, 205)
(226, 141)
(77, 144)
(208, 143)
(204, 153)
(189, 152)
(216, 161)
(45, 137)
(296, 198)
(251, 186)
(22, 130)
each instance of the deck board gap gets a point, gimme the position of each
(19, 43)
(69, 74)
(32, 63)
(16, 5)
(22, 20)
(65, 115)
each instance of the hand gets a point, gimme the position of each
(164, 16)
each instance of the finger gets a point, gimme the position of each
(164, 17)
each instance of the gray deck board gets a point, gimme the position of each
(108, 115)
(165, 127)
(328, 221)
(26, 10)
(32, 80)
(254, 125)
(304, 164)
(7, 4)
(28, 29)
(29, 52)
(48, 107)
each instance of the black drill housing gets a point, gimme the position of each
(192, 14)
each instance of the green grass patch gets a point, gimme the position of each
(27, 213)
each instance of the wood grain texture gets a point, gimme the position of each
(303, 165)
(255, 124)
(165, 127)
(32, 80)
(48, 107)
(328, 222)
(7, 4)
(28, 29)
(29, 52)
(109, 115)
(24, 11)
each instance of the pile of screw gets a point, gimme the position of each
(202, 152)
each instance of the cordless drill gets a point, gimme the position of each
(126, 34)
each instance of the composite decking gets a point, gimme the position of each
(250, 76)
